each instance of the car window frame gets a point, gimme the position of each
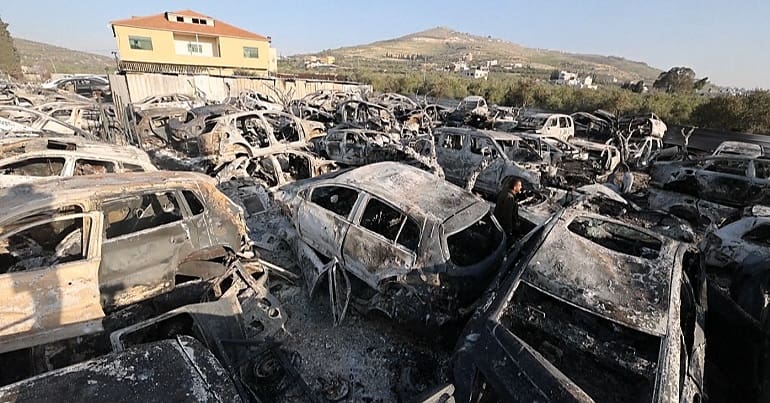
(351, 214)
(364, 203)
(89, 252)
(182, 209)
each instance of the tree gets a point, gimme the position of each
(679, 80)
(10, 62)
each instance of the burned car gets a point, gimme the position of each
(591, 125)
(497, 156)
(700, 213)
(548, 125)
(195, 122)
(739, 148)
(419, 248)
(97, 243)
(359, 146)
(588, 309)
(737, 256)
(152, 125)
(252, 134)
(648, 124)
(23, 159)
(732, 181)
(20, 119)
(81, 85)
(366, 115)
(278, 168)
(472, 110)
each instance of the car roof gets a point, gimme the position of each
(493, 134)
(409, 188)
(628, 290)
(56, 191)
(77, 147)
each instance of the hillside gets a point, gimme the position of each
(442, 46)
(54, 59)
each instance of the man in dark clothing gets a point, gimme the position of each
(507, 209)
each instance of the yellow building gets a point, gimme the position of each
(187, 42)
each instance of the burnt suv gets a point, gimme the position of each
(74, 248)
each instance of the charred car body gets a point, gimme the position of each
(592, 309)
(435, 243)
(102, 242)
(732, 181)
(23, 159)
(251, 134)
(497, 156)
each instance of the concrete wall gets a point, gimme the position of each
(163, 51)
(133, 87)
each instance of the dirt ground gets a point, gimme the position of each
(364, 359)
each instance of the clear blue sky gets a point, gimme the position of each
(726, 40)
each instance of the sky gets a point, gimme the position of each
(725, 40)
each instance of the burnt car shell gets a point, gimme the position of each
(457, 238)
(572, 320)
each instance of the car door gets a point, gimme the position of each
(48, 274)
(199, 228)
(323, 217)
(563, 128)
(760, 183)
(145, 236)
(381, 244)
(724, 181)
(489, 178)
(551, 127)
(333, 143)
(450, 155)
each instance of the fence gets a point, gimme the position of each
(133, 87)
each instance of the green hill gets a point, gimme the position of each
(442, 45)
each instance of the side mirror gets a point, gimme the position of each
(486, 152)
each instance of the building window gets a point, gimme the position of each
(194, 47)
(195, 21)
(250, 53)
(179, 19)
(140, 42)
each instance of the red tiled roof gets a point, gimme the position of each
(160, 22)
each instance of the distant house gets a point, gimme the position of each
(475, 73)
(572, 80)
(187, 42)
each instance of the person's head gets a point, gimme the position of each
(516, 186)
